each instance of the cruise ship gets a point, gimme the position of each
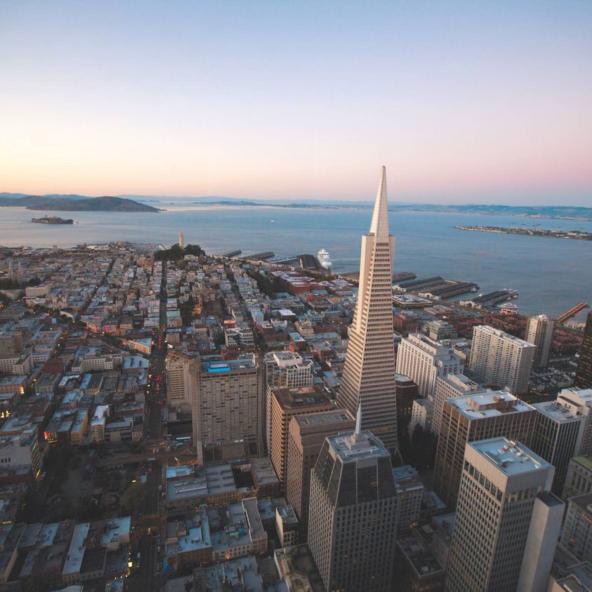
(324, 259)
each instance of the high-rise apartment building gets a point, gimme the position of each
(283, 369)
(353, 513)
(226, 409)
(287, 403)
(306, 434)
(498, 358)
(424, 360)
(368, 378)
(557, 437)
(507, 522)
(182, 372)
(476, 417)
(584, 371)
(539, 331)
(579, 401)
(447, 387)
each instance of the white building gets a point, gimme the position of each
(579, 401)
(424, 360)
(368, 379)
(498, 358)
(283, 369)
(507, 522)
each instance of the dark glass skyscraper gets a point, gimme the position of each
(353, 513)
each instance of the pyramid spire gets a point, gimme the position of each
(380, 222)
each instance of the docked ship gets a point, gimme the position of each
(324, 259)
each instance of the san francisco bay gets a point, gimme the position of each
(550, 274)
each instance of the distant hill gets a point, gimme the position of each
(74, 203)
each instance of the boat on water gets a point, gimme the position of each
(324, 259)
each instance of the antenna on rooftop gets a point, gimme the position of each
(358, 429)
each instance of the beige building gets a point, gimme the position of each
(424, 360)
(368, 379)
(507, 522)
(447, 387)
(579, 401)
(287, 403)
(182, 372)
(226, 409)
(500, 359)
(306, 434)
(283, 369)
(539, 331)
(476, 417)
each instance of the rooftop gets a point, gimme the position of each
(351, 447)
(489, 404)
(557, 412)
(512, 458)
(219, 366)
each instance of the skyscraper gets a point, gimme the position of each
(283, 369)
(475, 417)
(226, 408)
(285, 404)
(539, 330)
(507, 522)
(353, 513)
(501, 359)
(557, 437)
(368, 378)
(584, 372)
(306, 435)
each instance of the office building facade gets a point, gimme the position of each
(493, 546)
(539, 331)
(476, 417)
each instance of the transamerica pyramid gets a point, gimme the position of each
(368, 380)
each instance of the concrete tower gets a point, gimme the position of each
(539, 330)
(368, 379)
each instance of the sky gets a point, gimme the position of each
(464, 102)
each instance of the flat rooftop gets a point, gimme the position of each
(306, 396)
(512, 458)
(323, 418)
(557, 412)
(489, 404)
(247, 362)
(365, 445)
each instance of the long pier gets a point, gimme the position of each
(572, 312)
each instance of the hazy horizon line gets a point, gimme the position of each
(283, 200)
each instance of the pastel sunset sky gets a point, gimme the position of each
(477, 101)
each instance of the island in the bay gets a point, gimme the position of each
(52, 220)
(572, 234)
(74, 203)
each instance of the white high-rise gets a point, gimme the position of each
(283, 369)
(507, 523)
(424, 360)
(539, 331)
(498, 358)
(368, 379)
